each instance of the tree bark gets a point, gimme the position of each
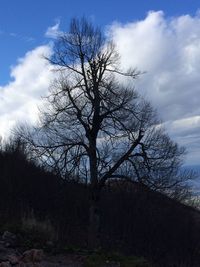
(94, 209)
(94, 219)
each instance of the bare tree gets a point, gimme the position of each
(93, 128)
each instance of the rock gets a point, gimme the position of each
(13, 259)
(29, 264)
(7, 253)
(8, 236)
(5, 264)
(9, 239)
(33, 255)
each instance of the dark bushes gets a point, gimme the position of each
(134, 219)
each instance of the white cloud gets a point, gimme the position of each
(168, 49)
(20, 98)
(53, 31)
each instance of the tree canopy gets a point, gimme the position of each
(93, 127)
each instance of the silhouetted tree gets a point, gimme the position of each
(94, 129)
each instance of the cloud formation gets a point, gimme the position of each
(53, 31)
(168, 50)
(19, 99)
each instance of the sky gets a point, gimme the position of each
(159, 37)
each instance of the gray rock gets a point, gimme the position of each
(5, 264)
(13, 259)
(9, 239)
(33, 255)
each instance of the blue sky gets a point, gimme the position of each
(160, 37)
(24, 22)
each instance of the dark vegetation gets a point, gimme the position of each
(43, 207)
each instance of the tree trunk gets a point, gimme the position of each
(94, 211)
(94, 219)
